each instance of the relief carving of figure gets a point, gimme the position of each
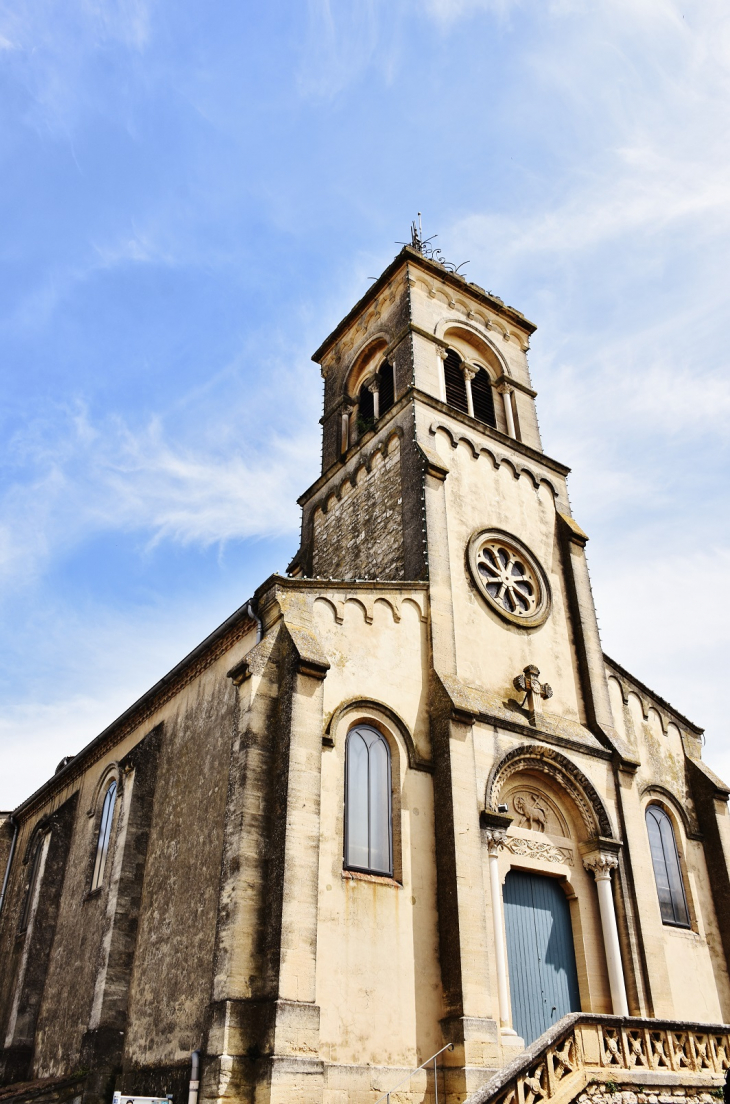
(532, 814)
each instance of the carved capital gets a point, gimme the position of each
(374, 385)
(600, 864)
(496, 839)
(469, 371)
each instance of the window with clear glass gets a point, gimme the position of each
(368, 828)
(667, 870)
(35, 866)
(105, 831)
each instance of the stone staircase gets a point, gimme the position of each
(593, 1059)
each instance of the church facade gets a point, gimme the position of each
(400, 801)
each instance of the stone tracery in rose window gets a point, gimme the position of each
(509, 577)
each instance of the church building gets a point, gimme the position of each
(400, 808)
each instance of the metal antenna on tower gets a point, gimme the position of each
(424, 246)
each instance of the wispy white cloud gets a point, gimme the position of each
(99, 478)
(448, 12)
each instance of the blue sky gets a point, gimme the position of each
(194, 194)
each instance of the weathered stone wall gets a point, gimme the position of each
(170, 986)
(361, 349)
(157, 908)
(360, 534)
(608, 1092)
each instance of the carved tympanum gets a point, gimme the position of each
(531, 811)
(534, 810)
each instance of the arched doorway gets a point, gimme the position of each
(541, 957)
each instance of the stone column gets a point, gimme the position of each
(345, 430)
(506, 393)
(600, 863)
(442, 354)
(495, 835)
(374, 389)
(295, 1070)
(469, 373)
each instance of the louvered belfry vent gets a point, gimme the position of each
(483, 399)
(455, 385)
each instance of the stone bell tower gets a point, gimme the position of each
(388, 369)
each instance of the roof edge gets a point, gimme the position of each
(659, 700)
(409, 254)
(71, 770)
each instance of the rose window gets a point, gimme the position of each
(509, 577)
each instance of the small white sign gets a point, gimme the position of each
(123, 1098)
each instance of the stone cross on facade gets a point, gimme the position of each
(535, 691)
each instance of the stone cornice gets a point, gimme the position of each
(494, 434)
(655, 699)
(470, 706)
(319, 582)
(366, 445)
(408, 255)
(510, 381)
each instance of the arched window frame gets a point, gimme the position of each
(35, 864)
(384, 869)
(375, 397)
(675, 911)
(104, 832)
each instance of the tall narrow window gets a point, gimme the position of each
(387, 387)
(483, 397)
(667, 871)
(35, 867)
(105, 831)
(368, 830)
(455, 384)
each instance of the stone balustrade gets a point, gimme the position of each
(616, 1050)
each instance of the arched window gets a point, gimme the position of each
(35, 867)
(667, 871)
(105, 831)
(387, 386)
(483, 398)
(455, 384)
(368, 829)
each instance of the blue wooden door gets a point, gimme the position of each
(542, 975)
